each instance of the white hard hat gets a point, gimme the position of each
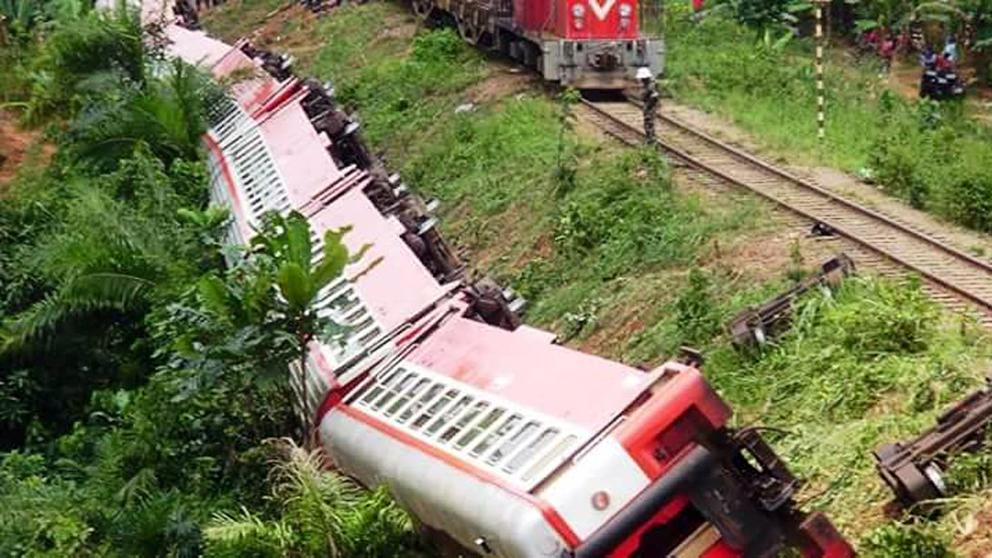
(644, 73)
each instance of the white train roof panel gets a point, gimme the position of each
(485, 431)
(581, 389)
(195, 47)
(300, 152)
(389, 278)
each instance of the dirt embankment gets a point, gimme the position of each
(16, 146)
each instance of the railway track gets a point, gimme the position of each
(961, 281)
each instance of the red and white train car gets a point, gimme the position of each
(482, 428)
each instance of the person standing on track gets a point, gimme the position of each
(649, 98)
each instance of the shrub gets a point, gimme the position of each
(629, 216)
(905, 541)
(438, 47)
(967, 196)
(898, 318)
(321, 513)
(696, 313)
(96, 53)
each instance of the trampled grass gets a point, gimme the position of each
(873, 364)
(236, 18)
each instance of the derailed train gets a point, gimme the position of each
(482, 427)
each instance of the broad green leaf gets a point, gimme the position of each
(213, 293)
(299, 249)
(295, 285)
(334, 260)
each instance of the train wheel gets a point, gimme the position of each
(422, 9)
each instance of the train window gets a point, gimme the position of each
(532, 449)
(555, 452)
(484, 424)
(345, 301)
(398, 384)
(429, 395)
(449, 414)
(407, 395)
(332, 291)
(464, 420)
(370, 336)
(513, 442)
(491, 439)
(433, 409)
(379, 384)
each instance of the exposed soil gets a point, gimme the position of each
(974, 537)
(505, 81)
(904, 78)
(16, 145)
(291, 30)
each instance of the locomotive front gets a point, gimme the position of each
(601, 45)
(587, 44)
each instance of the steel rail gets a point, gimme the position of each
(633, 135)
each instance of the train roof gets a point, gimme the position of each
(507, 403)
(195, 47)
(275, 162)
(524, 366)
(268, 157)
(387, 285)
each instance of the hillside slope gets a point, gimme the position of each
(622, 256)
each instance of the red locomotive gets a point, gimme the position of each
(587, 44)
(483, 428)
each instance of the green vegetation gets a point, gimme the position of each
(874, 363)
(932, 155)
(140, 376)
(603, 256)
(319, 515)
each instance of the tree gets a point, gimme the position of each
(765, 17)
(301, 275)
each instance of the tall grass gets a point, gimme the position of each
(932, 156)
(875, 363)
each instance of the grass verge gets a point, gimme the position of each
(932, 155)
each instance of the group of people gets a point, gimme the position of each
(940, 79)
(942, 61)
(883, 44)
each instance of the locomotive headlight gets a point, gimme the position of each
(578, 12)
(625, 12)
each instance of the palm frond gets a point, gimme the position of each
(247, 534)
(79, 297)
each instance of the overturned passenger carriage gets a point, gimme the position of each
(483, 428)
